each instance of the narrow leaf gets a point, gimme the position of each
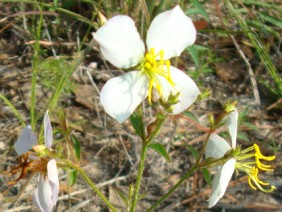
(121, 194)
(201, 9)
(193, 151)
(137, 123)
(72, 177)
(160, 149)
(271, 19)
(207, 175)
(243, 136)
(194, 54)
(76, 146)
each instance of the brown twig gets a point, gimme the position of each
(250, 70)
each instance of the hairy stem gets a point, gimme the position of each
(139, 177)
(92, 185)
(158, 124)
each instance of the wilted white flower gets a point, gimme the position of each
(217, 147)
(46, 194)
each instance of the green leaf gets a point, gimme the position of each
(137, 123)
(141, 196)
(271, 19)
(201, 9)
(121, 194)
(192, 11)
(194, 54)
(207, 175)
(207, 71)
(261, 3)
(195, 51)
(263, 27)
(76, 146)
(243, 136)
(72, 177)
(193, 151)
(55, 3)
(191, 116)
(160, 149)
(250, 126)
(201, 48)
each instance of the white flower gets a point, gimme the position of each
(46, 194)
(217, 147)
(169, 34)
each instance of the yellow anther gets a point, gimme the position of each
(250, 183)
(255, 175)
(261, 156)
(249, 161)
(263, 166)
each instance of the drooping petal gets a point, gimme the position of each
(216, 147)
(26, 140)
(120, 42)
(48, 134)
(42, 196)
(221, 180)
(233, 127)
(52, 173)
(121, 95)
(171, 31)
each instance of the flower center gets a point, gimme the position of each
(27, 163)
(154, 66)
(253, 167)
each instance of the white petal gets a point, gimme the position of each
(48, 134)
(184, 85)
(221, 180)
(187, 88)
(216, 147)
(121, 95)
(171, 31)
(53, 180)
(120, 42)
(26, 140)
(233, 127)
(42, 195)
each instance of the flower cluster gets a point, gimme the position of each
(247, 160)
(46, 194)
(168, 35)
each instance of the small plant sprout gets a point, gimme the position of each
(120, 43)
(46, 194)
(247, 160)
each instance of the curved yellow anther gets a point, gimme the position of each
(253, 166)
(255, 174)
(263, 166)
(261, 156)
(250, 183)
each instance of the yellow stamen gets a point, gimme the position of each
(261, 156)
(253, 166)
(153, 66)
(263, 166)
(250, 183)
